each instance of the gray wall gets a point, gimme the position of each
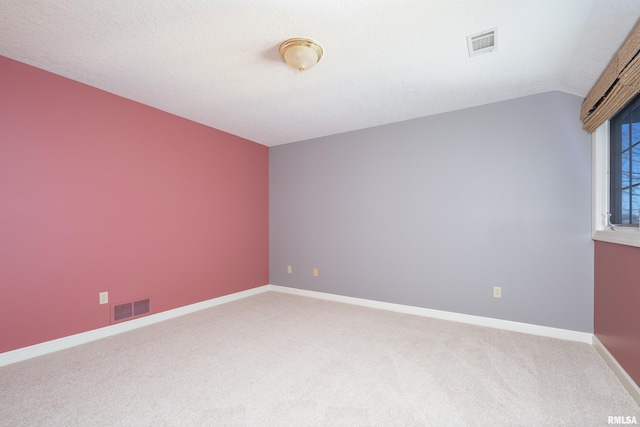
(434, 212)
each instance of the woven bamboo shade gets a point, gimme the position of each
(617, 85)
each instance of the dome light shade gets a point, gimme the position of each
(300, 53)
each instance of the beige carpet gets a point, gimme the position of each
(278, 359)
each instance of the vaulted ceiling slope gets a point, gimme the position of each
(216, 62)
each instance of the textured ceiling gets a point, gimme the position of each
(216, 62)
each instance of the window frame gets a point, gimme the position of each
(629, 236)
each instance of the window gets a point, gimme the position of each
(624, 177)
(611, 113)
(616, 177)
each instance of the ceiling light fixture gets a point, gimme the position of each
(300, 53)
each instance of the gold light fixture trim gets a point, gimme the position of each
(301, 53)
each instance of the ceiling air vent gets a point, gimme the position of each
(483, 42)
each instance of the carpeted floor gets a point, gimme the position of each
(278, 359)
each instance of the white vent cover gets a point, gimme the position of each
(483, 42)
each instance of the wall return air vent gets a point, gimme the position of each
(130, 310)
(483, 42)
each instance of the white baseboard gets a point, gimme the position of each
(29, 352)
(618, 370)
(25, 353)
(545, 331)
(85, 337)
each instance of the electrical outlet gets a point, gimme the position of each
(497, 292)
(289, 269)
(315, 272)
(104, 297)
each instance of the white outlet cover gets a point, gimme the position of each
(104, 297)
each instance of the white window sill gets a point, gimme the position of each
(622, 236)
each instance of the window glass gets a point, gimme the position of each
(624, 170)
(635, 125)
(635, 165)
(624, 132)
(635, 204)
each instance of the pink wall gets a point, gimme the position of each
(617, 295)
(100, 193)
